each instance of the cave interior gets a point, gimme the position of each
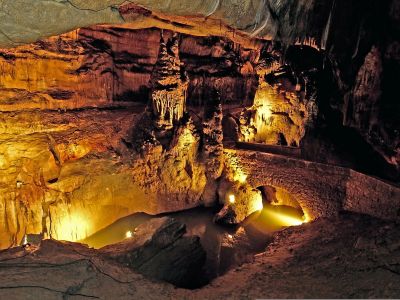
(199, 149)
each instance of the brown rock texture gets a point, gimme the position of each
(70, 174)
(349, 256)
(278, 117)
(159, 250)
(100, 66)
(321, 190)
(168, 86)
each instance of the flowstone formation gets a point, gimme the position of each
(284, 105)
(165, 139)
(184, 156)
(166, 110)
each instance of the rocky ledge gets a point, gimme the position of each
(351, 256)
(159, 250)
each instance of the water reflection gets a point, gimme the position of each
(226, 247)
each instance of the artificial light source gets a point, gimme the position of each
(128, 234)
(259, 205)
(231, 199)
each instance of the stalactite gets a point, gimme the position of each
(325, 35)
(168, 88)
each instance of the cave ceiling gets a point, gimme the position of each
(25, 21)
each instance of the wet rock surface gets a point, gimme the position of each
(77, 174)
(159, 250)
(348, 256)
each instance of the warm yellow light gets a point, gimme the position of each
(306, 218)
(128, 234)
(231, 199)
(241, 177)
(259, 205)
(73, 227)
(287, 220)
(265, 112)
(235, 167)
(230, 236)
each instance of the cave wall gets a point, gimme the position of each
(70, 174)
(363, 59)
(102, 66)
(74, 165)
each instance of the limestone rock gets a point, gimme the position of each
(168, 94)
(240, 200)
(99, 66)
(159, 250)
(226, 216)
(69, 174)
(212, 147)
(322, 248)
(279, 116)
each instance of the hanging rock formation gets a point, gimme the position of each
(168, 86)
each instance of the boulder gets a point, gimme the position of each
(158, 249)
(226, 216)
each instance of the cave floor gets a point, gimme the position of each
(349, 256)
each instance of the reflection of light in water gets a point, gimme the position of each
(255, 237)
(286, 219)
(282, 215)
(231, 199)
(272, 218)
(128, 234)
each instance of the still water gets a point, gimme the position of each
(226, 247)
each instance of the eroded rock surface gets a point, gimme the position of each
(168, 86)
(71, 174)
(159, 250)
(350, 256)
(102, 66)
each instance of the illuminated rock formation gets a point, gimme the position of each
(319, 25)
(238, 197)
(74, 270)
(69, 174)
(280, 114)
(98, 66)
(212, 147)
(168, 86)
